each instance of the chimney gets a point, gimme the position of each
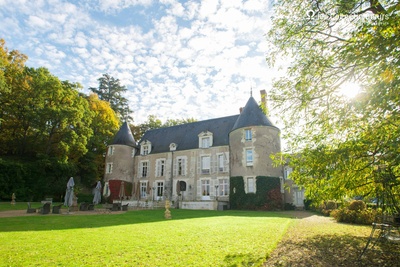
(240, 110)
(263, 94)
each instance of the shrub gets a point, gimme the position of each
(88, 198)
(330, 205)
(289, 206)
(357, 205)
(356, 212)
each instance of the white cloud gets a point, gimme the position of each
(181, 59)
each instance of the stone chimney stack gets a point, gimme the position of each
(263, 94)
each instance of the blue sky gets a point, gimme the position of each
(178, 59)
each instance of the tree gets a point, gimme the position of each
(154, 123)
(104, 126)
(341, 147)
(111, 90)
(43, 115)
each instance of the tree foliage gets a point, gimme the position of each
(154, 123)
(49, 131)
(112, 91)
(339, 147)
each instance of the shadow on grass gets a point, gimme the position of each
(338, 250)
(64, 221)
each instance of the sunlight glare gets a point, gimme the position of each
(349, 89)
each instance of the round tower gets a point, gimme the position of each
(252, 140)
(119, 162)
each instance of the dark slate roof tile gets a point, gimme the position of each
(252, 115)
(124, 136)
(186, 135)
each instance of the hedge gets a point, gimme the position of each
(267, 197)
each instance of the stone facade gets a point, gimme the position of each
(191, 164)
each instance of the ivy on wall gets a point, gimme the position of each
(267, 197)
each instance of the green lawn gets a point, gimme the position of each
(141, 238)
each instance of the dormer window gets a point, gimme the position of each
(172, 147)
(205, 142)
(145, 147)
(205, 139)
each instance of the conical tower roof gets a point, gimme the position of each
(252, 115)
(124, 136)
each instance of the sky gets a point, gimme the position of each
(178, 59)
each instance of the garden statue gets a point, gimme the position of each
(13, 199)
(167, 213)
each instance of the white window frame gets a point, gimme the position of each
(180, 166)
(143, 189)
(144, 164)
(288, 171)
(159, 189)
(109, 168)
(250, 183)
(222, 162)
(248, 135)
(160, 167)
(205, 139)
(205, 185)
(205, 167)
(249, 156)
(223, 187)
(110, 150)
(205, 142)
(145, 147)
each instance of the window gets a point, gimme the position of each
(205, 139)
(205, 187)
(144, 166)
(160, 167)
(143, 189)
(223, 187)
(172, 147)
(180, 166)
(160, 189)
(288, 170)
(109, 168)
(145, 147)
(205, 142)
(250, 185)
(221, 163)
(145, 150)
(248, 134)
(111, 151)
(249, 157)
(205, 165)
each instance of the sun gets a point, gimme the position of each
(349, 89)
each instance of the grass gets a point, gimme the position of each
(320, 241)
(5, 206)
(142, 238)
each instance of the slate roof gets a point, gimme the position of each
(124, 136)
(186, 135)
(252, 115)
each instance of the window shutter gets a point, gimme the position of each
(199, 165)
(212, 188)
(226, 161)
(198, 188)
(183, 166)
(174, 171)
(213, 167)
